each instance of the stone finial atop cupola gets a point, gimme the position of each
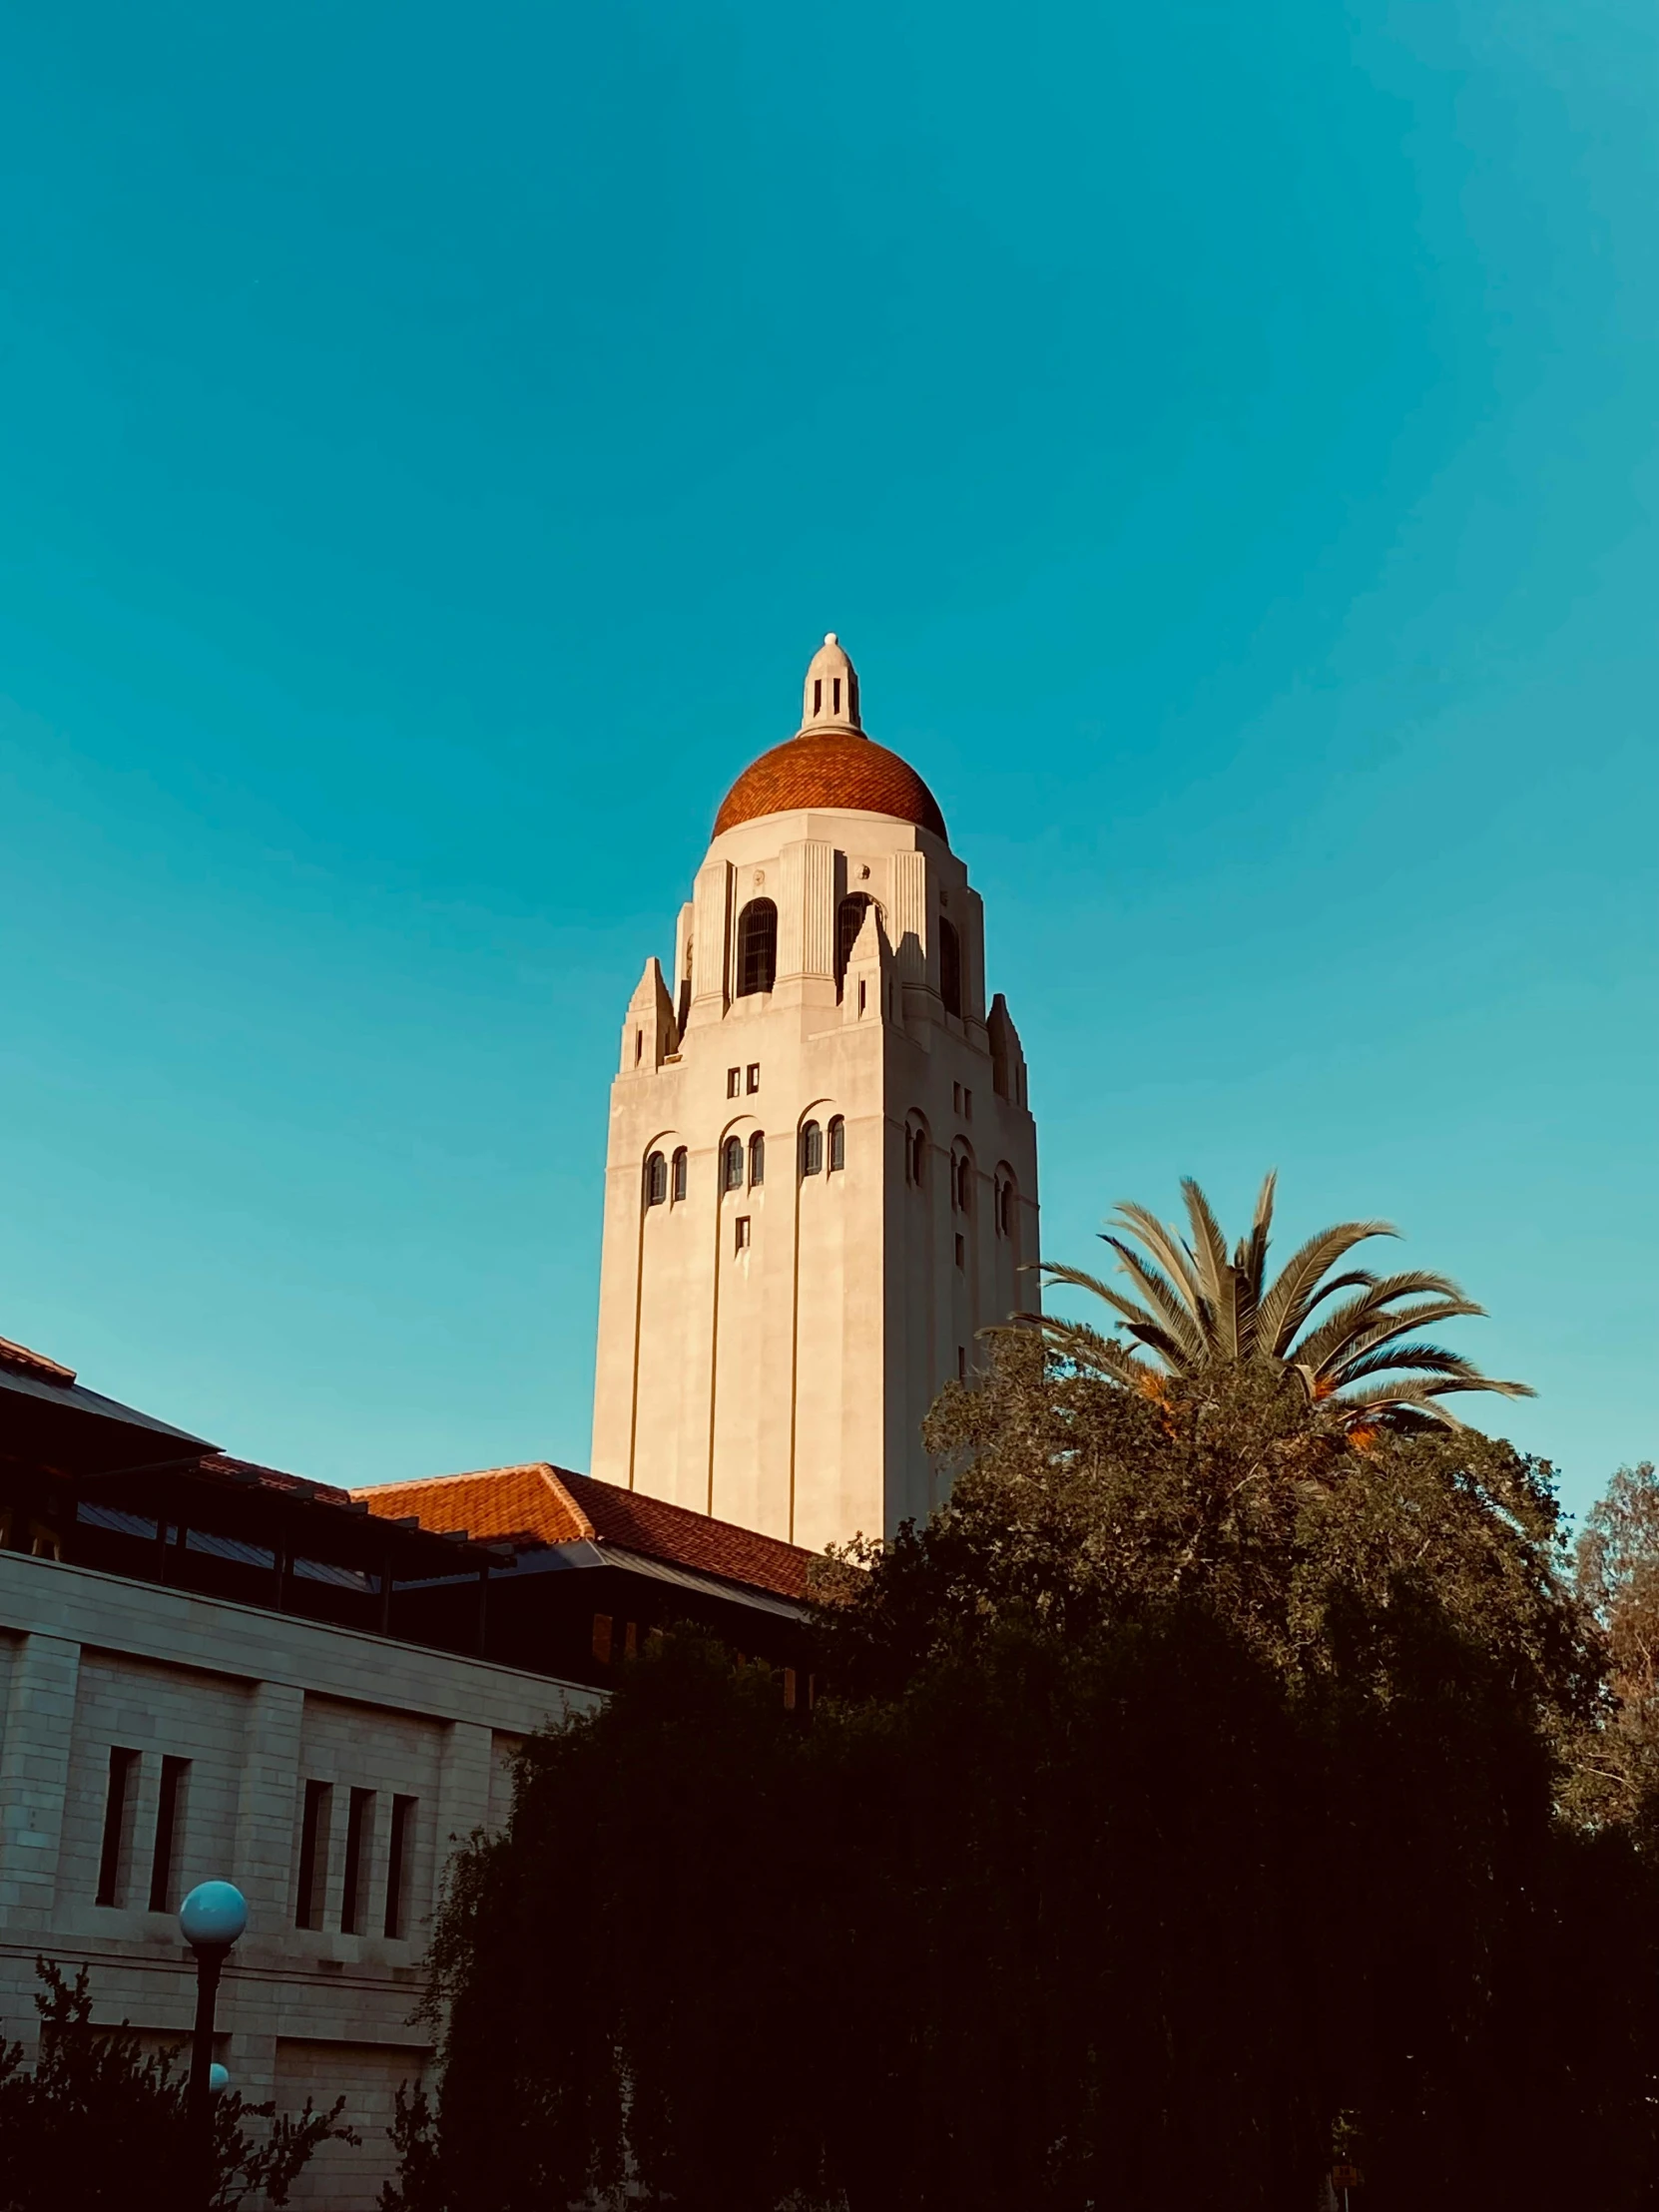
(831, 698)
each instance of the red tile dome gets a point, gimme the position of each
(830, 763)
(828, 770)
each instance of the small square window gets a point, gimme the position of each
(734, 1082)
(961, 1253)
(753, 1077)
(743, 1233)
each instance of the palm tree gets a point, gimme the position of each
(1204, 1311)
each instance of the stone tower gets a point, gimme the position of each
(823, 1172)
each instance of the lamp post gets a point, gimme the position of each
(210, 1920)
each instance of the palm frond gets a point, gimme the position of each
(1209, 1245)
(1189, 1330)
(1167, 1249)
(1284, 1306)
(1367, 1318)
(1398, 1359)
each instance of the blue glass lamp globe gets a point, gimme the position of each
(219, 2078)
(214, 1912)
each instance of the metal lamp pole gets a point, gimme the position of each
(210, 1920)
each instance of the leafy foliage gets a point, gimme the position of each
(1186, 1812)
(1200, 1311)
(97, 2120)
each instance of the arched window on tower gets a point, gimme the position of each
(962, 1183)
(1005, 1206)
(915, 1156)
(812, 1149)
(679, 1172)
(757, 947)
(951, 968)
(757, 1159)
(656, 1180)
(837, 1145)
(849, 919)
(730, 1164)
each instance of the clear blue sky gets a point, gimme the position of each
(433, 440)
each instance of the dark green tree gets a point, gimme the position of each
(98, 2124)
(1186, 1806)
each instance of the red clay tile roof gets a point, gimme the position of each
(33, 1363)
(832, 769)
(551, 1505)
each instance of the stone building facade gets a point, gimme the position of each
(821, 1177)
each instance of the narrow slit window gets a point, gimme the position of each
(863, 987)
(679, 1174)
(400, 1864)
(734, 1082)
(752, 1079)
(961, 1252)
(757, 1160)
(818, 695)
(656, 1180)
(118, 1815)
(837, 688)
(602, 1638)
(812, 1149)
(961, 1363)
(313, 1855)
(837, 1145)
(170, 1834)
(742, 1244)
(731, 1173)
(360, 1833)
(951, 968)
(918, 1157)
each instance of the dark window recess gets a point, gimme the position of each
(757, 947)
(734, 1082)
(753, 1077)
(730, 1171)
(951, 968)
(918, 1157)
(961, 1252)
(757, 1159)
(360, 1833)
(849, 919)
(118, 1808)
(170, 1831)
(399, 1862)
(656, 1180)
(743, 1233)
(315, 1823)
(602, 1638)
(812, 1149)
(679, 1175)
(961, 1363)
(837, 1145)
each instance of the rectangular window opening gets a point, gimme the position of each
(313, 1855)
(639, 1047)
(359, 1831)
(743, 1233)
(754, 1076)
(602, 1638)
(118, 1821)
(863, 987)
(734, 1082)
(961, 1252)
(838, 691)
(967, 1104)
(400, 1860)
(170, 1829)
(957, 1097)
(961, 1363)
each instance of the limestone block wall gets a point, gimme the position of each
(226, 1720)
